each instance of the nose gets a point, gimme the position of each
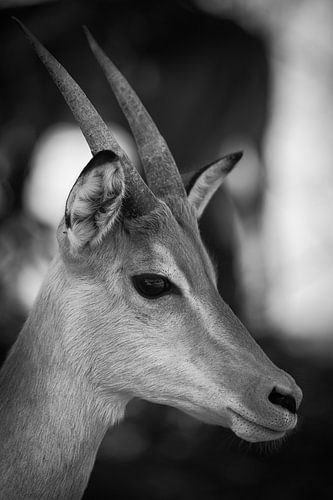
(287, 401)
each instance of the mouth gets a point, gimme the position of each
(254, 432)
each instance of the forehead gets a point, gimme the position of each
(175, 247)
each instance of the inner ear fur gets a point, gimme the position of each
(201, 185)
(95, 200)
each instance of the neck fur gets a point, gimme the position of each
(52, 420)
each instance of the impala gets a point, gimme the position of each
(129, 308)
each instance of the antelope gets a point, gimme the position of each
(129, 308)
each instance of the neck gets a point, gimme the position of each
(52, 420)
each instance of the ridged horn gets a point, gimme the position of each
(97, 134)
(159, 165)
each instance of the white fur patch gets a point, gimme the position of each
(167, 265)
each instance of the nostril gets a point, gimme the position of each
(285, 400)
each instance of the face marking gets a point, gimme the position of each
(168, 266)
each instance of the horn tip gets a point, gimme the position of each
(19, 22)
(86, 30)
(32, 39)
(90, 38)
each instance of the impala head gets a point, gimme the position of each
(144, 301)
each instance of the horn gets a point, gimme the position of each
(159, 165)
(97, 134)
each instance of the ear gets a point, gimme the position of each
(95, 200)
(203, 184)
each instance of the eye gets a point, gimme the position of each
(151, 286)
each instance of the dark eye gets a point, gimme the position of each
(151, 286)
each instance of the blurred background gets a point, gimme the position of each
(217, 76)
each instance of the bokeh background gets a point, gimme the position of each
(217, 76)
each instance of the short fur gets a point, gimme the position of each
(92, 342)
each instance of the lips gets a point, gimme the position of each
(252, 431)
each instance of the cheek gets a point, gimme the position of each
(153, 326)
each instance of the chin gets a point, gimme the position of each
(253, 432)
